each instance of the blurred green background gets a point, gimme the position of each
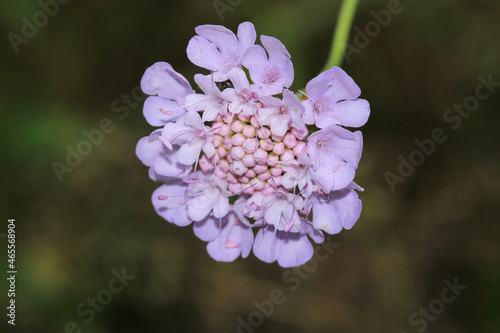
(441, 223)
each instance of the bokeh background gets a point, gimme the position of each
(440, 224)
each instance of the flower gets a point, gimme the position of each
(244, 160)
(271, 72)
(332, 99)
(216, 48)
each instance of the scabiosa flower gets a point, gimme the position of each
(246, 161)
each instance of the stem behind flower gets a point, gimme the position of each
(342, 29)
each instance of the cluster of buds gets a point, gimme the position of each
(247, 154)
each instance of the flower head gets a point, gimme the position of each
(246, 153)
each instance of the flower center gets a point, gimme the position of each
(249, 156)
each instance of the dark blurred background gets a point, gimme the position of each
(77, 232)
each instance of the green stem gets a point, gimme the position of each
(339, 42)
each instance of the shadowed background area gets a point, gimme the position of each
(422, 229)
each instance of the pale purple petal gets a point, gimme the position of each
(188, 153)
(348, 206)
(203, 53)
(200, 206)
(235, 239)
(167, 165)
(221, 206)
(169, 202)
(246, 36)
(279, 57)
(208, 228)
(160, 79)
(326, 217)
(337, 210)
(343, 85)
(296, 249)
(149, 148)
(265, 246)
(325, 145)
(353, 113)
(223, 38)
(333, 100)
(159, 111)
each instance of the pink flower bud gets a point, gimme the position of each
(237, 153)
(237, 126)
(277, 138)
(223, 165)
(290, 141)
(250, 145)
(279, 148)
(249, 190)
(243, 180)
(227, 144)
(243, 117)
(265, 175)
(237, 139)
(206, 164)
(254, 121)
(272, 158)
(249, 131)
(263, 133)
(275, 181)
(300, 134)
(221, 152)
(257, 184)
(276, 171)
(232, 179)
(260, 156)
(299, 148)
(260, 169)
(235, 188)
(287, 155)
(217, 140)
(227, 117)
(220, 174)
(250, 173)
(238, 168)
(216, 126)
(223, 130)
(249, 160)
(268, 190)
(265, 145)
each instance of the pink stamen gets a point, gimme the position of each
(231, 244)
(162, 197)
(289, 225)
(166, 143)
(168, 113)
(335, 168)
(190, 181)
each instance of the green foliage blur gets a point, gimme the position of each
(79, 68)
